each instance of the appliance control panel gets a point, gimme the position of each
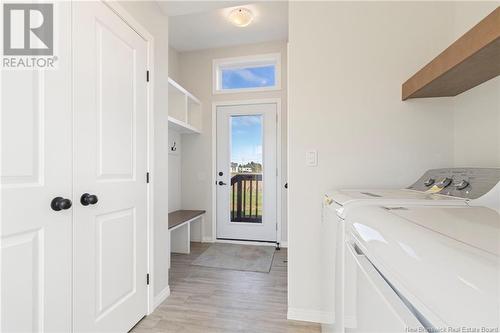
(468, 183)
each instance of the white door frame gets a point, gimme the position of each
(215, 105)
(144, 33)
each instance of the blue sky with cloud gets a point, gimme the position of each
(246, 139)
(252, 77)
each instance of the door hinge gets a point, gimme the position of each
(147, 177)
(147, 279)
(147, 76)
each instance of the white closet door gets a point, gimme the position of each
(36, 168)
(110, 108)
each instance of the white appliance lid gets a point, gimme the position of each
(475, 226)
(344, 197)
(444, 260)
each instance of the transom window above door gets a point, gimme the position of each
(244, 74)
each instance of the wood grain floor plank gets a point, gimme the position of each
(205, 299)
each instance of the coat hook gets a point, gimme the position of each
(173, 148)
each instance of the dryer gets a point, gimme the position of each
(411, 267)
(436, 187)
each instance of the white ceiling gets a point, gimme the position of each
(176, 8)
(196, 25)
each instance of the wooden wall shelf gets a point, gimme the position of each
(471, 60)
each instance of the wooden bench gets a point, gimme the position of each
(179, 229)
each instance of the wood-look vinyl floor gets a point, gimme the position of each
(205, 299)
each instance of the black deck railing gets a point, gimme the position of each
(246, 198)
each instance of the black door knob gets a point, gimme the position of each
(222, 183)
(88, 199)
(59, 203)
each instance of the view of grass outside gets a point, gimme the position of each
(251, 201)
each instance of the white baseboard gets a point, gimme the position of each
(329, 328)
(207, 239)
(161, 297)
(315, 316)
(350, 322)
(241, 242)
(195, 239)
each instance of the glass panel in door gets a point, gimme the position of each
(246, 193)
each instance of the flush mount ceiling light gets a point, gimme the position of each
(240, 17)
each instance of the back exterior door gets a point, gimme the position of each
(35, 169)
(247, 172)
(110, 110)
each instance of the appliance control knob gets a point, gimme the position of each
(429, 182)
(463, 184)
(445, 182)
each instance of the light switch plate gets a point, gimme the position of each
(312, 158)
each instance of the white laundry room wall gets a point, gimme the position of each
(174, 69)
(347, 62)
(149, 15)
(477, 111)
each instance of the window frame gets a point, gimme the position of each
(241, 62)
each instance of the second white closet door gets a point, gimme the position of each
(110, 159)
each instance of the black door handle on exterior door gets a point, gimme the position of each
(88, 199)
(59, 203)
(222, 183)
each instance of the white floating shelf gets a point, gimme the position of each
(184, 109)
(181, 126)
(182, 90)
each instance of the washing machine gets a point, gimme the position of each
(413, 268)
(436, 187)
